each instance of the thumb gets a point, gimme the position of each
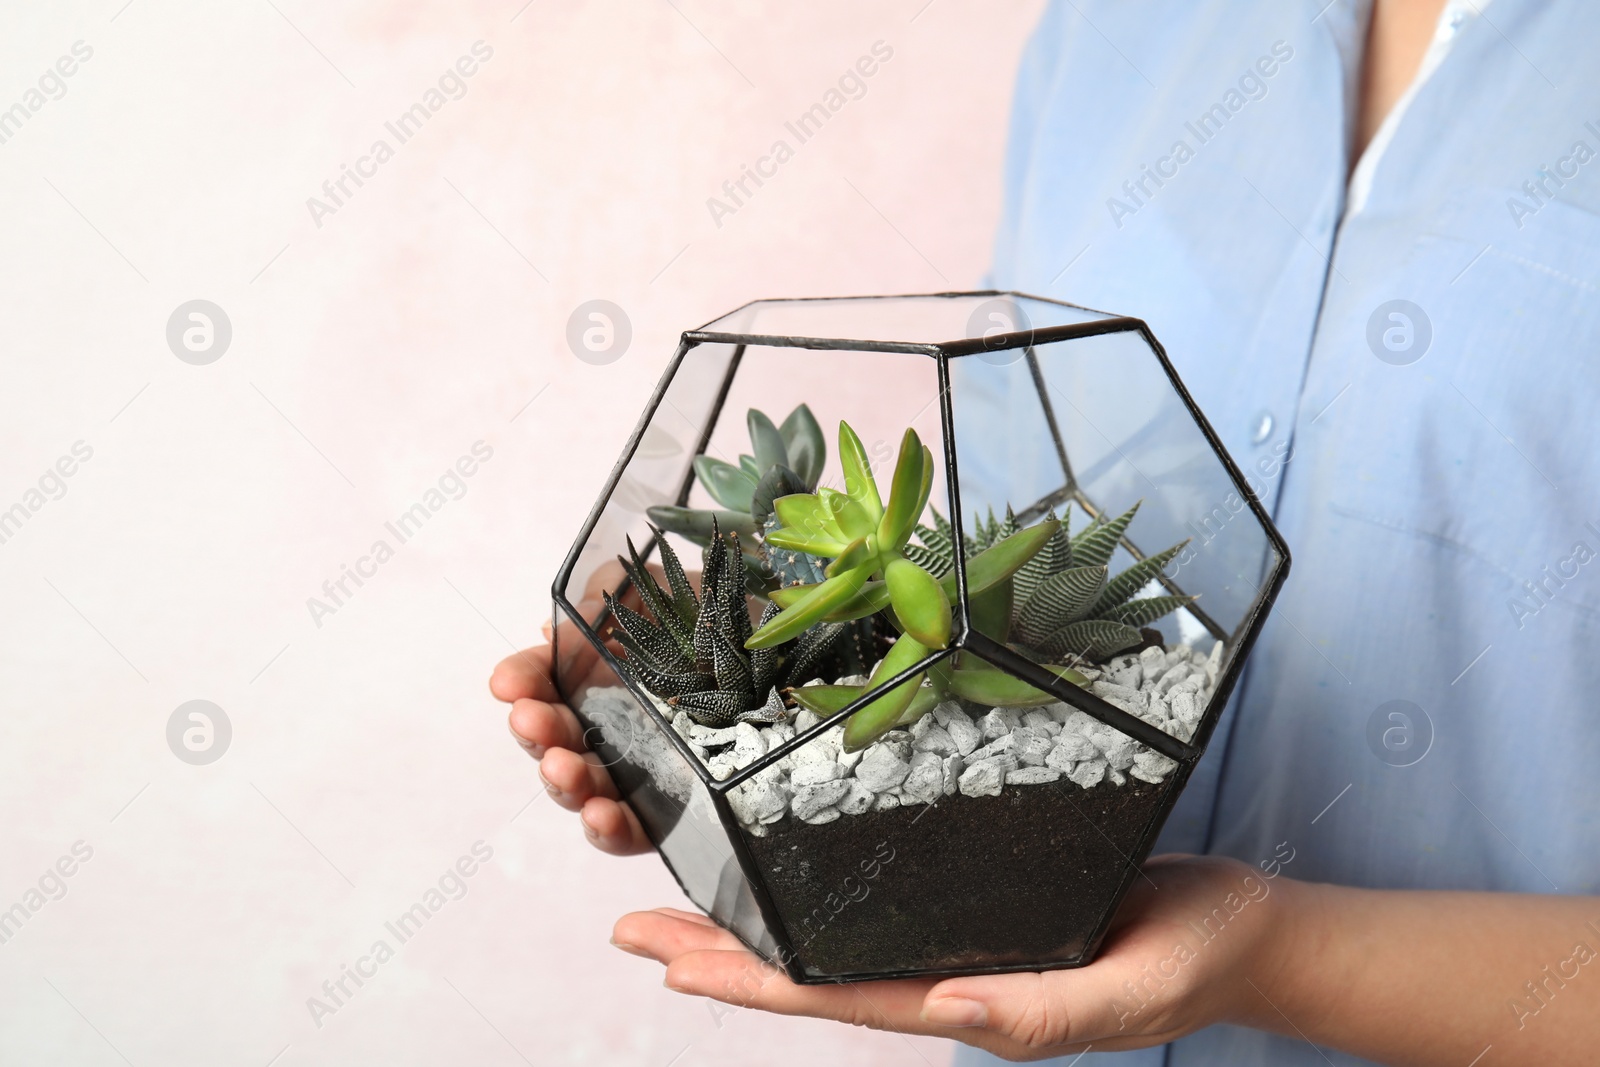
(1037, 1010)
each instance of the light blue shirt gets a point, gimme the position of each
(1443, 511)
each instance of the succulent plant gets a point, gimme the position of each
(690, 648)
(787, 459)
(871, 572)
(1061, 605)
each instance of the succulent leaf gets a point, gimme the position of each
(881, 715)
(730, 664)
(927, 559)
(996, 688)
(810, 608)
(694, 524)
(1096, 542)
(920, 605)
(1143, 612)
(1000, 561)
(856, 553)
(732, 487)
(772, 711)
(665, 684)
(808, 449)
(844, 513)
(1061, 598)
(1053, 558)
(817, 544)
(1090, 638)
(826, 700)
(1130, 581)
(713, 707)
(778, 482)
(858, 480)
(905, 494)
(766, 442)
(684, 603)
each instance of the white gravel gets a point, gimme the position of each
(951, 750)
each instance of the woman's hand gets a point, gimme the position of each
(550, 733)
(1198, 941)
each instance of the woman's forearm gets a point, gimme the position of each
(1423, 978)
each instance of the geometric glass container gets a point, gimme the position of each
(975, 836)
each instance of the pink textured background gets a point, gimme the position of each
(368, 354)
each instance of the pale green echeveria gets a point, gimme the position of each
(866, 539)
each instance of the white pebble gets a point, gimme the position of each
(1152, 766)
(995, 724)
(925, 783)
(1069, 750)
(817, 750)
(881, 769)
(826, 815)
(1033, 745)
(858, 800)
(953, 766)
(1031, 776)
(886, 802)
(1039, 719)
(1153, 659)
(810, 799)
(984, 778)
(1175, 674)
(815, 774)
(1089, 773)
(761, 800)
(748, 744)
(710, 738)
(935, 739)
(1002, 745)
(965, 733)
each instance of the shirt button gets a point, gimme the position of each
(1261, 427)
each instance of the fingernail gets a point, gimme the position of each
(955, 1011)
(593, 835)
(630, 949)
(553, 790)
(674, 987)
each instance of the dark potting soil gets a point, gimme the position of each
(1022, 878)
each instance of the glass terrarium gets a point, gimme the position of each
(902, 621)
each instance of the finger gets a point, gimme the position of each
(1062, 1011)
(525, 675)
(705, 960)
(571, 778)
(539, 726)
(612, 827)
(688, 916)
(666, 933)
(737, 976)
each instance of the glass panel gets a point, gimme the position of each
(654, 474)
(673, 804)
(909, 319)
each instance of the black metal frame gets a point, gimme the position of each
(963, 638)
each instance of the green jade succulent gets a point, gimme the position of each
(871, 572)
